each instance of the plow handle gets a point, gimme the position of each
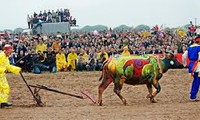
(36, 99)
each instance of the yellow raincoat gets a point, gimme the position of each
(146, 34)
(125, 51)
(99, 55)
(4, 86)
(41, 47)
(181, 32)
(61, 62)
(71, 59)
(85, 57)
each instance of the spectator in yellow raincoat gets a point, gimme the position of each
(4, 67)
(125, 51)
(71, 60)
(82, 60)
(102, 55)
(61, 63)
(41, 47)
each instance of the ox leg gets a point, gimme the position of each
(149, 87)
(157, 87)
(117, 89)
(102, 87)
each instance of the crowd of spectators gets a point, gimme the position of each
(51, 16)
(87, 51)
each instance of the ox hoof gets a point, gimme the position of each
(153, 100)
(100, 103)
(149, 96)
(124, 101)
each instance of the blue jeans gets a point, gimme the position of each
(195, 86)
(38, 68)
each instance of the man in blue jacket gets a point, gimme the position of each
(193, 54)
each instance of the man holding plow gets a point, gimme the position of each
(5, 66)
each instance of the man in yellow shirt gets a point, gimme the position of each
(125, 51)
(102, 55)
(61, 63)
(81, 61)
(41, 47)
(71, 60)
(4, 67)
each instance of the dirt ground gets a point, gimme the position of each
(172, 102)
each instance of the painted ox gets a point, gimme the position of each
(135, 70)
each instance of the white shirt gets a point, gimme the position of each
(184, 59)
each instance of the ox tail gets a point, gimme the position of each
(103, 70)
(105, 64)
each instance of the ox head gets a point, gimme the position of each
(172, 61)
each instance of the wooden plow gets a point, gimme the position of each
(38, 87)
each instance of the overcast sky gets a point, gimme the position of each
(111, 13)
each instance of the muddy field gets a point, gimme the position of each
(172, 101)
